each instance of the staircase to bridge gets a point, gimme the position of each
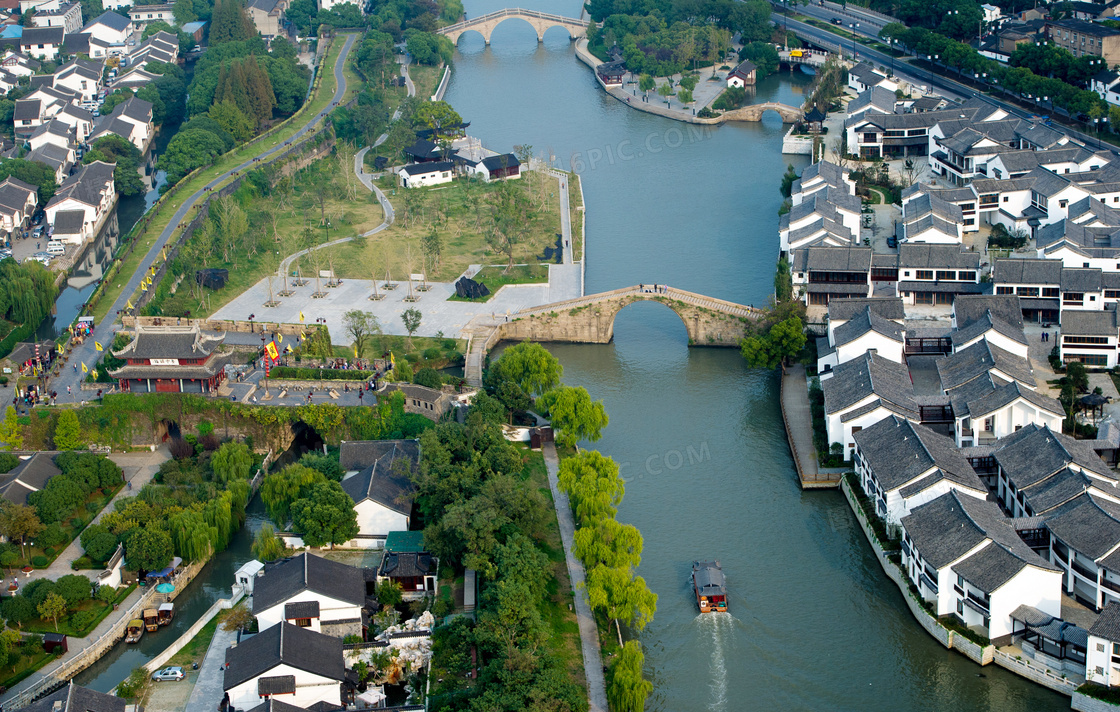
(590, 320)
(540, 21)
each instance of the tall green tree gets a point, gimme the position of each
(361, 327)
(771, 349)
(593, 485)
(280, 489)
(572, 411)
(11, 432)
(68, 432)
(530, 366)
(230, 22)
(627, 690)
(148, 549)
(52, 608)
(232, 461)
(18, 522)
(411, 318)
(325, 516)
(266, 545)
(608, 542)
(621, 597)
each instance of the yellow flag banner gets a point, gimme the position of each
(84, 369)
(392, 360)
(271, 349)
(128, 304)
(301, 317)
(279, 338)
(97, 345)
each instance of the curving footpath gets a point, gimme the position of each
(285, 268)
(104, 332)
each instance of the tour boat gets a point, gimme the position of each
(151, 620)
(710, 586)
(135, 631)
(166, 613)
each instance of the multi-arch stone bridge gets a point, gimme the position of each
(590, 320)
(541, 22)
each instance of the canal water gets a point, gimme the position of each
(814, 623)
(214, 582)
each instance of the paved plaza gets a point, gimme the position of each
(439, 314)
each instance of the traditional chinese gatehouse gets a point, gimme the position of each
(171, 359)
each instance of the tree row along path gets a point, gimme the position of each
(104, 332)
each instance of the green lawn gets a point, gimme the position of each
(65, 624)
(13, 674)
(460, 214)
(495, 277)
(168, 204)
(426, 78)
(195, 650)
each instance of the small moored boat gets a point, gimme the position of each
(166, 613)
(135, 631)
(151, 620)
(710, 586)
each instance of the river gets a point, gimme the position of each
(814, 623)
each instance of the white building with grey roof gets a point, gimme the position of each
(902, 465)
(821, 274)
(1102, 659)
(1090, 337)
(302, 667)
(965, 557)
(382, 490)
(930, 274)
(313, 593)
(927, 218)
(863, 392)
(863, 333)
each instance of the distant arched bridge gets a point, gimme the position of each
(812, 57)
(590, 320)
(754, 112)
(541, 22)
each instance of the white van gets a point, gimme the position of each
(55, 247)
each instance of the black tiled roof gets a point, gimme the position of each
(300, 648)
(386, 482)
(967, 309)
(886, 307)
(871, 375)
(899, 452)
(278, 685)
(75, 698)
(360, 454)
(165, 344)
(1108, 623)
(406, 564)
(307, 572)
(301, 609)
(29, 476)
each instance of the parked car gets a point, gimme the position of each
(132, 43)
(37, 232)
(196, 48)
(892, 241)
(168, 674)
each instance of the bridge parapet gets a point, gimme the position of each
(541, 22)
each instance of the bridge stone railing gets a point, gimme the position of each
(511, 12)
(652, 290)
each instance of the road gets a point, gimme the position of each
(104, 332)
(915, 75)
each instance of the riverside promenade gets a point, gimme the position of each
(588, 631)
(798, 419)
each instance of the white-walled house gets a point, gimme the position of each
(965, 557)
(111, 28)
(1090, 337)
(862, 392)
(421, 175)
(1102, 657)
(1084, 539)
(863, 76)
(311, 592)
(502, 167)
(285, 663)
(17, 204)
(902, 466)
(862, 333)
(824, 273)
(382, 491)
(90, 190)
(994, 330)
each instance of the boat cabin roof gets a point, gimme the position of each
(167, 606)
(709, 578)
(135, 623)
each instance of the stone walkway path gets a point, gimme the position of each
(208, 688)
(799, 429)
(588, 631)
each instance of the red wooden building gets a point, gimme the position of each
(172, 359)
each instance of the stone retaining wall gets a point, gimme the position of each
(1084, 703)
(1023, 668)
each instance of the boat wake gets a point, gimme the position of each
(720, 625)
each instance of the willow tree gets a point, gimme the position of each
(628, 690)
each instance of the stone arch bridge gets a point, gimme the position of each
(590, 320)
(754, 112)
(541, 22)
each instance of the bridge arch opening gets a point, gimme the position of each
(470, 33)
(641, 324)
